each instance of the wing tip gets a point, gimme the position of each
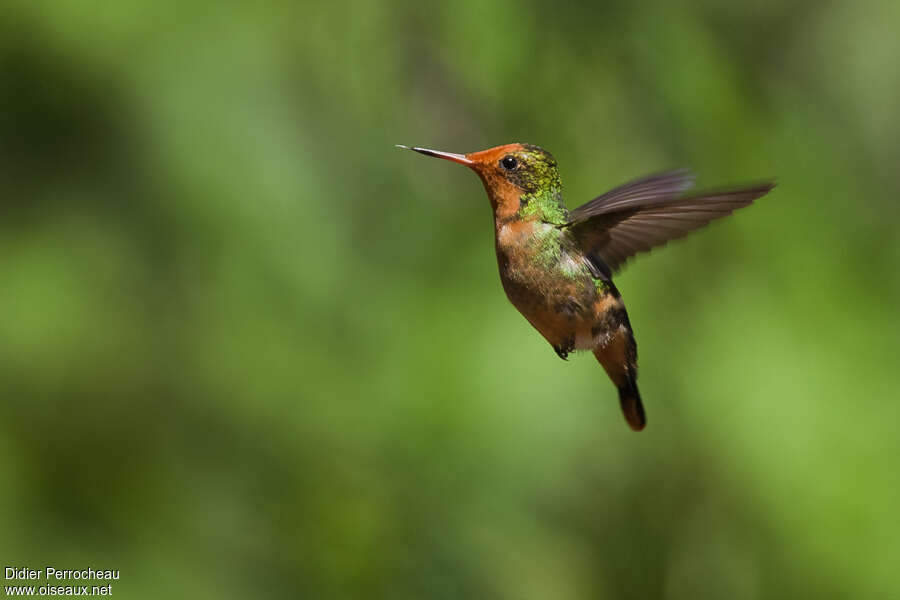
(745, 193)
(763, 187)
(756, 191)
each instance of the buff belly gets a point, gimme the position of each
(569, 315)
(552, 286)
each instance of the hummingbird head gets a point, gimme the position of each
(513, 174)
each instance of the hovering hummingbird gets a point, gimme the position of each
(556, 265)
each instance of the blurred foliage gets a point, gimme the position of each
(249, 349)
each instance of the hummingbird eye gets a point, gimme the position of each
(509, 162)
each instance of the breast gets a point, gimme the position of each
(548, 285)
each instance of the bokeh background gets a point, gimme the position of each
(250, 349)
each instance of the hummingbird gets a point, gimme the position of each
(556, 265)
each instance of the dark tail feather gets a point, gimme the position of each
(632, 407)
(619, 359)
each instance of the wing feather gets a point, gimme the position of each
(649, 212)
(659, 187)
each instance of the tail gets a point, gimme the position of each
(619, 358)
(632, 407)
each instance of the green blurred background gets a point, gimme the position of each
(249, 349)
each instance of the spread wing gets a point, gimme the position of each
(649, 212)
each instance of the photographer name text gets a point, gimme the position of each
(52, 574)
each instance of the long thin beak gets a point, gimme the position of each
(457, 158)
